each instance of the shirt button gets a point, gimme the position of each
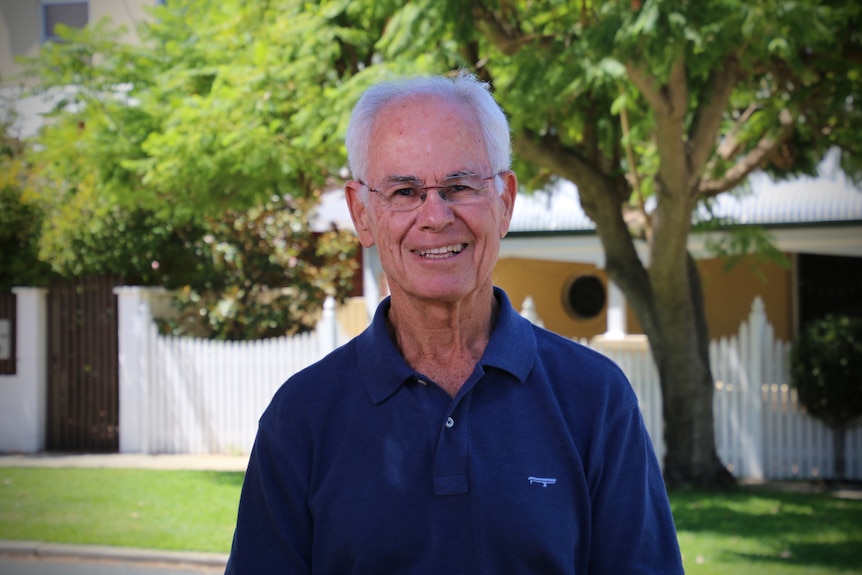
(450, 422)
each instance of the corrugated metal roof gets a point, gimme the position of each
(558, 209)
(830, 197)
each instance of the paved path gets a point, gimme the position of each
(30, 557)
(130, 460)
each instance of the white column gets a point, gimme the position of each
(134, 321)
(528, 310)
(753, 411)
(327, 327)
(616, 320)
(372, 272)
(24, 395)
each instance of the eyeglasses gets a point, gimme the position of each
(408, 193)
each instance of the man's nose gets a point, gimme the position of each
(435, 212)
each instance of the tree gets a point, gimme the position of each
(826, 370)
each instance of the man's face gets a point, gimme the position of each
(437, 251)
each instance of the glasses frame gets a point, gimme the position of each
(423, 191)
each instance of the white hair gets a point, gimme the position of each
(464, 87)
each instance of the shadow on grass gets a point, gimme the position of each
(845, 556)
(812, 529)
(230, 478)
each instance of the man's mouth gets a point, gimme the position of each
(442, 252)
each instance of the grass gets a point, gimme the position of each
(748, 531)
(154, 509)
(758, 531)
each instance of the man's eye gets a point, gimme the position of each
(403, 192)
(455, 188)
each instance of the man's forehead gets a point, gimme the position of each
(411, 137)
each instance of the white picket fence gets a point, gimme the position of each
(761, 429)
(200, 396)
(206, 396)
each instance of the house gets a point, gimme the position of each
(25, 25)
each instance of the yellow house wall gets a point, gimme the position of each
(545, 281)
(728, 295)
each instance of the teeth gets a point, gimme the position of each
(442, 251)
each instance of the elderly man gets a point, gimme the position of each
(452, 436)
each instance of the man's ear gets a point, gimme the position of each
(510, 190)
(358, 212)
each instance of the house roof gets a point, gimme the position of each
(831, 197)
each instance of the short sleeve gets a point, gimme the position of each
(633, 529)
(274, 527)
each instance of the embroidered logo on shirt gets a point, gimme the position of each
(543, 481)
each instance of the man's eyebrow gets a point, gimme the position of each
(459, 174)
(402, 179)
(416, 180)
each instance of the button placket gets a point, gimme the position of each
(450, 464)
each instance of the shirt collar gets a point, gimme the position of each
(512, 348)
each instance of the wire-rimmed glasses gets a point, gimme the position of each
(402, 194)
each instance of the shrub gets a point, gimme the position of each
(826, 370)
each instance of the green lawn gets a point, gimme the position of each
(749, 531)
(179, 510)
(757, 531)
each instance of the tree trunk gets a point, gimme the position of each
(681, 354)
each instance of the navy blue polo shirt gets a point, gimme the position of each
(540, 464)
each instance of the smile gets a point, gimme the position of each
(442, 252)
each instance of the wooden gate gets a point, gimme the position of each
(8, 313)
(83, 376)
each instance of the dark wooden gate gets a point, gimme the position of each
(8, 313)
(83, 372)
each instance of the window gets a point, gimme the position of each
(72, 14)
(584, 297)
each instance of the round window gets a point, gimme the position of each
(584, 297)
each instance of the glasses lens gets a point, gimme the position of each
(403, 197)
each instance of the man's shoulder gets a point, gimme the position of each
(576, 371)
(567, 351)
(330, 374)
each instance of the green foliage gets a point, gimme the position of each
(826, 369)
(20, 221)
(150, 148)
(264, 274)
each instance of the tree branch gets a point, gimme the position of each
(547, 151)
(634, 177)
(669, 103)
(753, 160)
(508, 39)
(709, 115)
(730, 144)
(647, 86)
